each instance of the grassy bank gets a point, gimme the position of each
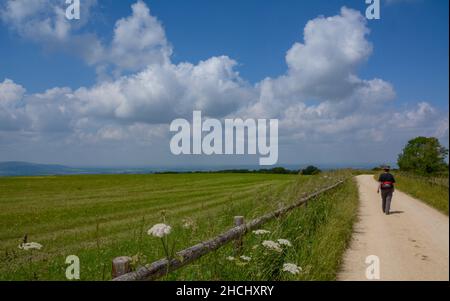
(433, 191)
(101, 217)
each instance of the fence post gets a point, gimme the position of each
(238, 221)
(121, 266)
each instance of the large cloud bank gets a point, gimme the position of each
(320, 98)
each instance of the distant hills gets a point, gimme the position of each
(16, 168)
(32, 169)
(11, 169)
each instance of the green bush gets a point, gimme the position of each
(310, 170)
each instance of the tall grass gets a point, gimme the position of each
(433, 191)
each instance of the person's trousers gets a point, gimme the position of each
(386, 196)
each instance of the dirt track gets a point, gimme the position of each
(412, 243)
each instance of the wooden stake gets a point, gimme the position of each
(121, 266)
(239, 221)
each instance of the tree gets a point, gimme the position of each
(423, 155)
(310, 170)
(279, 170)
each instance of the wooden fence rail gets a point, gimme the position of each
(162, 267)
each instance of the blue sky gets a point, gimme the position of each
(409, 51)
(411, 42)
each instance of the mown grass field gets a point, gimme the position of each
(100, 217)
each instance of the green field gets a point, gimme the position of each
(100, 217)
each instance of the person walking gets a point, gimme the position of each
(386, 187)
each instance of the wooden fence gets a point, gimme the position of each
(157, 269)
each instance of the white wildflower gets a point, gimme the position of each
(230, 258)
(30, 246)
(246, 258)
(271, 245)
(291, 268)
(160, 230)
(261, 232)
(284, 242)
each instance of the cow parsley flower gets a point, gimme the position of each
(284, 242)
(246, 258)
(271, 245)
(230, 258)
(30, 246)
(261, 232)
(160, 230)
(292, 268)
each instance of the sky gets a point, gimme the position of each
(103, 90)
